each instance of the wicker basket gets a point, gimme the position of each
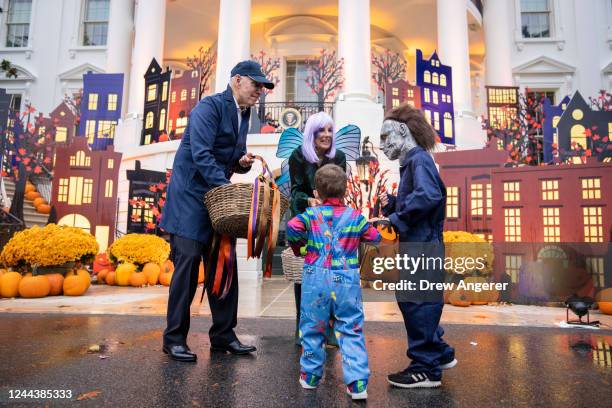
(292, 266)
(229, 207)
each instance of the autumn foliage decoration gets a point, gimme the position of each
(522, 132)
(159, 191)
(325, 76)
(361, 198)
(388, 67)
(204, 63)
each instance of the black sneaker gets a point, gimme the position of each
(449, 363)
(410, 379)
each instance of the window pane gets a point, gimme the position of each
(19, 11)
(97, 10)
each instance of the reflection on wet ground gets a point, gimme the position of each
(498, 365)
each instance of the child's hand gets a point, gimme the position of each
(313, 202)
(384, 199)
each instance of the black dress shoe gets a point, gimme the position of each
(180, 353)
(235, 347)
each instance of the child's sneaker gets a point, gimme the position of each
(309, 381)
(358, 389)
(410, 379)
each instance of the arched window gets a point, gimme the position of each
(149, 120)
(162, 119)
(75, 220)
(427, 77)
(442, 80)
(578, 137)
(434, 78)
(448, 125)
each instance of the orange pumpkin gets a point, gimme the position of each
(110, 278)
(74, 285)
(163, 137)
(201, 274)
(604, 301)
(152, 271)
(32, 195)
(123, 273)
(56, 283)
(138, 279)
(43, 209)
(165, 278)
(167, 266)
(82, 274)
(34, 286)
(39, 201)
(459, 297)
(101, 262)
(29, 187)
(9, 284)
(102, 275)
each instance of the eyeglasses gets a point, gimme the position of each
(257, 85)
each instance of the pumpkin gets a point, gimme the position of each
(102, 275)
(477, 298)
(101, 262)
(110, 278)
(29, 187)
(32, 195)
(43, 209)
(163, 137)
(2, 272)
(152, 271)
(202, 273)
(34, 286)
(82, 274)
(9, 284)
(138, 279)
(39, 201)
(74, 285)
(56, 283)
(604, 301)
(167, 266)
(165, 276)
(123, 272)
(459, 297)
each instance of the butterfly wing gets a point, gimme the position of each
(284, 181)
(290, 140)
(348, 140)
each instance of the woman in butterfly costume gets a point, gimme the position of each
(305, 154)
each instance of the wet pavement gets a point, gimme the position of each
(499, 366)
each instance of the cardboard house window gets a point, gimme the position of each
(162, 119)
(535, 18)
(552, 229)
(164, 94)
(595, 267)
(61, 134)
(184, 95)
(452, 202)
(512, 224)
(80, 159)
(151, 92)
(106, 129)
(112, 102)
(427, 77)
(591, 188)
(149, 120)
(593, 224)
(18, 23)
(108, 189)
(448, 125)
(90, 131)
(512, 191)
(92, 102)
(62, 192)
(95, 22)
(111, 163)
(550, 190)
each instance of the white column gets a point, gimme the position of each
(498, 43)
(354, 47)
(453, 50)
(150, 24)
(119, 44)
(233, 40)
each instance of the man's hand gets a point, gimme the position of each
(313, 202)
(247, 160)
(384, 199)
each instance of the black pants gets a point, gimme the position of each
(187, 255)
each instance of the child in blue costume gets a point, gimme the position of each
(330, 281)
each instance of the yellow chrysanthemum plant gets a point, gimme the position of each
(139, 249)
(468, 252)
(52, 246)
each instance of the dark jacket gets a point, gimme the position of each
(206, 158)
(418, 211)
(302, 174)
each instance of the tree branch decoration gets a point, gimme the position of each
(599, 144)
(204, 63)
(74, 103)
(325, 77)
(521, 134)
(269, 66)
(156, 207)
(389, 67)
(360, 200)
(603, 101)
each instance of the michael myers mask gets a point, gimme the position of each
(395, 139)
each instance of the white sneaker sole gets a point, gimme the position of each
(307, 386)
(358, 395)
(449, 365)
(421, 384)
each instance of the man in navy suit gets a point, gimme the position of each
(212, 149)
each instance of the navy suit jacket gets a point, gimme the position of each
(206, 158)
(418, 211)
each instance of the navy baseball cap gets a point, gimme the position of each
(253, 70)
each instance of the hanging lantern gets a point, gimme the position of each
(363, 161)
